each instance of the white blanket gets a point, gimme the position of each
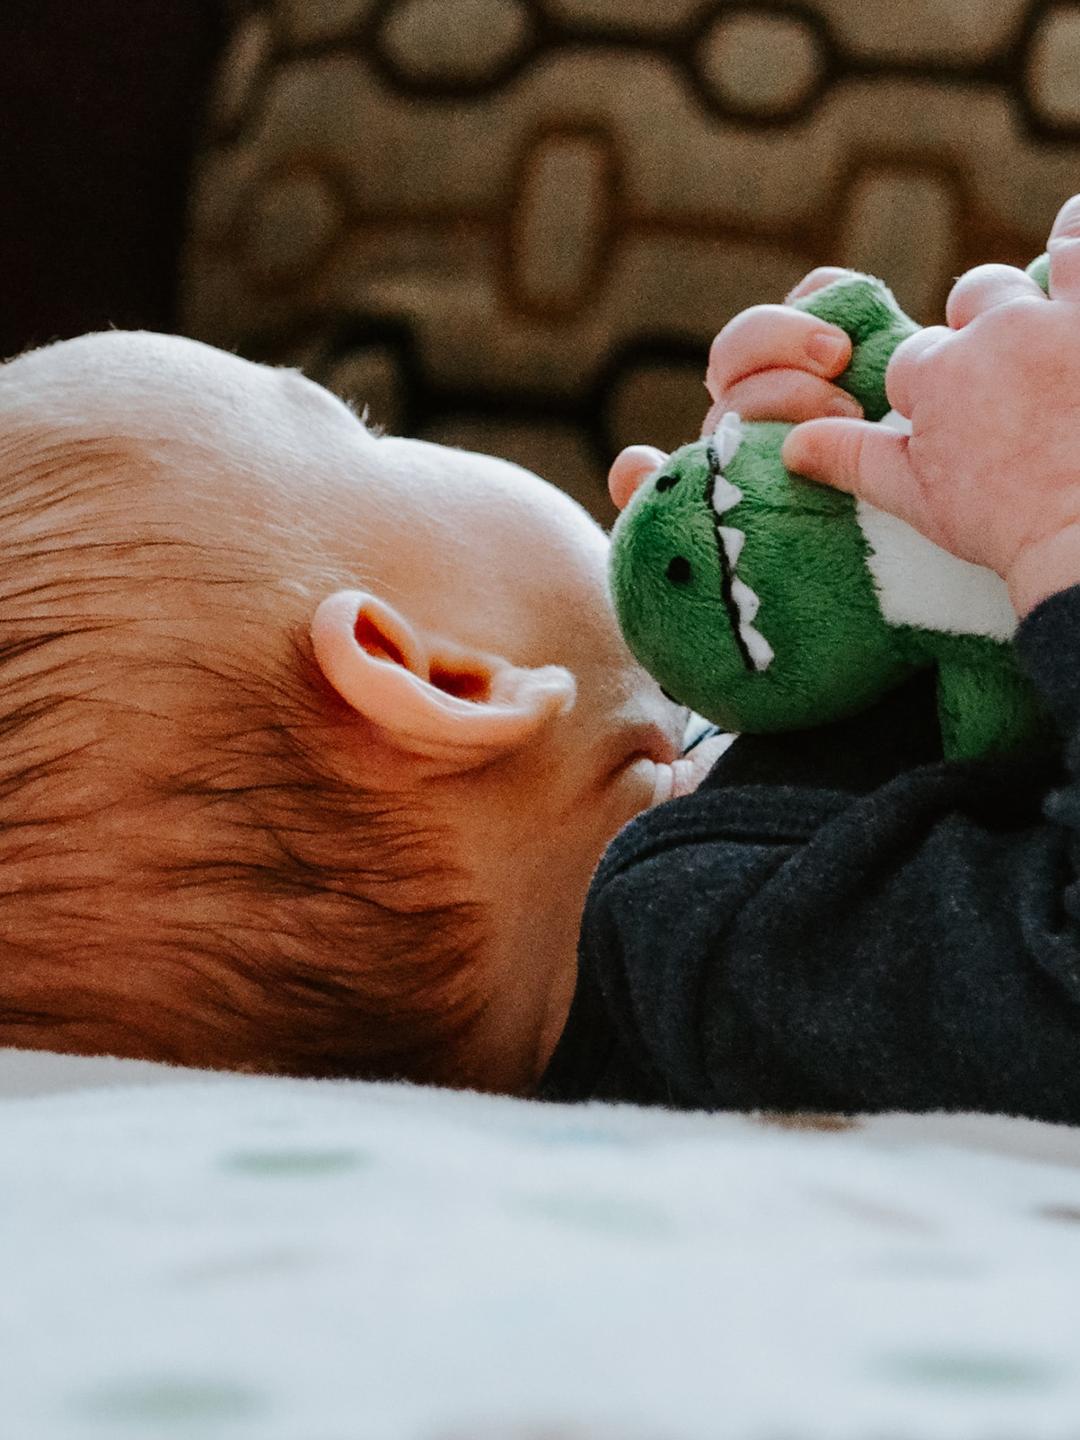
(207, 1257)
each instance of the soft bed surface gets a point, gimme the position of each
(218, 1257)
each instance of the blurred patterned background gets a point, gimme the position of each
(516, 224)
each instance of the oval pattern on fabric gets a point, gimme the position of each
(562, 216)
(760, 64)
(447, 41)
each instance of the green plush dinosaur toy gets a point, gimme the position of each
(767, 602)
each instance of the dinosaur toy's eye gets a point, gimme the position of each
(679, 571)
(667, 481)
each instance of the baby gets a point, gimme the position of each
(313, 739)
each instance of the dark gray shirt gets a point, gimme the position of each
(841, 920)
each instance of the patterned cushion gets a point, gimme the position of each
(516, 224)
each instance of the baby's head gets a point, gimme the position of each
(309, 738)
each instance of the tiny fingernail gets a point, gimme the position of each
(846, 406)
(826, 349)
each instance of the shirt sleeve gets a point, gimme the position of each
(905, 940)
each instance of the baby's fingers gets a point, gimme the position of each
(774, 337)
(790, 395)
(868, 461)
(817, 280)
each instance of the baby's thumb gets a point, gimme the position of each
(868, 461)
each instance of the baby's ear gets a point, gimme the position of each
(431, 698)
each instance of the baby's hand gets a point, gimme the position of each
(769, 363)
(991, 470)
(775, 363)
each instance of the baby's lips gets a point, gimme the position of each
(630, 468)
(692, 769)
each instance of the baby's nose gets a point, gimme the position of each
(631, 467)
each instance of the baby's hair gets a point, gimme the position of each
(229, 901)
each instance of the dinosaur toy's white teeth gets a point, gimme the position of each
(733, 541)
(725, 496)
(747, 602)
(727, 437)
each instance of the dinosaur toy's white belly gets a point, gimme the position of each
(918, 583)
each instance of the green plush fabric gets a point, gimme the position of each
(868, 311)
(766, 602)
(1039, 270)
